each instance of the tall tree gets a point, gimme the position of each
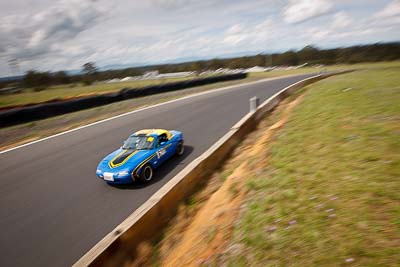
(39, 80)
(61, 77)
(90, 70)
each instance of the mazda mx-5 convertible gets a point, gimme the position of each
(142, 153)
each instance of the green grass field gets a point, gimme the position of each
(330, 193)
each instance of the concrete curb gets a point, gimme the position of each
(148, 220)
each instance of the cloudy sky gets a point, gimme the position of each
(55, 35)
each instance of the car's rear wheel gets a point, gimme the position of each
(180, 148)
(146, 174)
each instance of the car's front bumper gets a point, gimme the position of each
(117, 179)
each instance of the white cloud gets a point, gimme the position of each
(390, 10)
(388, 16)
(172, 3)
(26, 37)
(343, 27)
(341, 20)
(249, 34)
(301, 10)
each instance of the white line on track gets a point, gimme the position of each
(145, 108)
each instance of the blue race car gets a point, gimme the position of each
(140, 154)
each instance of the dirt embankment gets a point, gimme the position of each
(201, 232)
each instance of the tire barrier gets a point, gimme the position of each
(50, 109)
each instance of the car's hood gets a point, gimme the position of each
(124, 159)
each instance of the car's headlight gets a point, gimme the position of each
(98, 171)
(122, 173)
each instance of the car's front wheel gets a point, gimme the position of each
(180, 148)
(146, 174)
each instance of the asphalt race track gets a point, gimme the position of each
(53, 208)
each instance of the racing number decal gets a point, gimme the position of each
(161, 153)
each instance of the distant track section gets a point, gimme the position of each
(47, 110)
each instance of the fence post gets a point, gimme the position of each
(254, 102)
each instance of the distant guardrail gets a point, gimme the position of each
(47, 110)
(10, 90)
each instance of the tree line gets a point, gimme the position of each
(309, 54)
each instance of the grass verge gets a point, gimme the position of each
(329, 195)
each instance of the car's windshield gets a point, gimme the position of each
(139, 142)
